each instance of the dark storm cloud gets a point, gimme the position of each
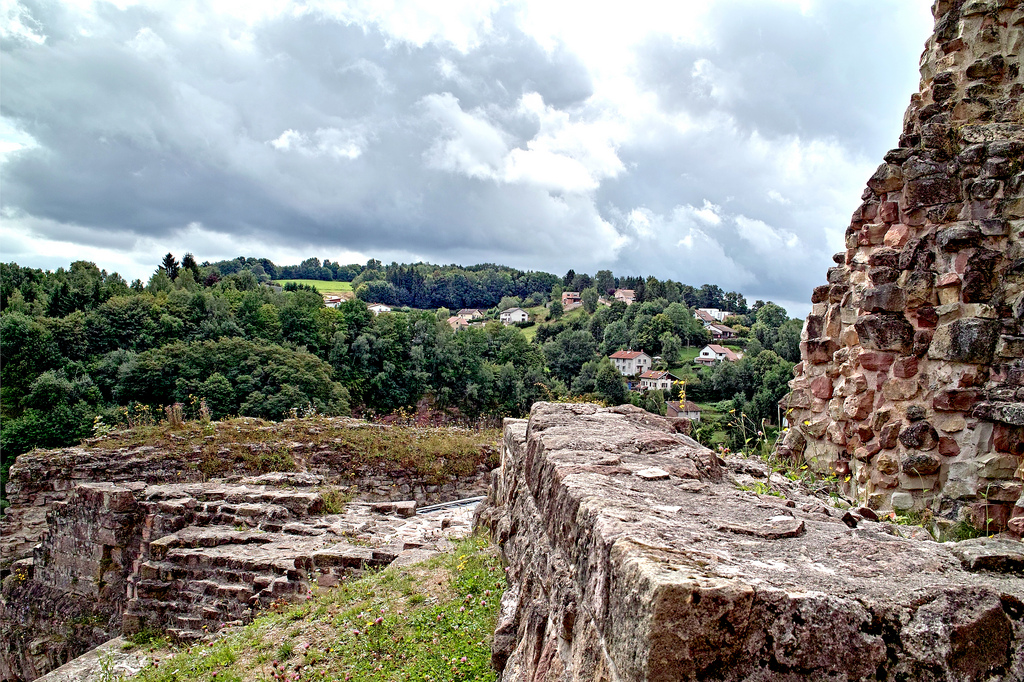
(307, 132)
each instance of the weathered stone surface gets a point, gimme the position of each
(692, 580)
(180, 555)
(885, 332)
(970, 340)
(919, 436)
(940, 299)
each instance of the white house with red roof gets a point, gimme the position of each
(712, 353)
(657, 379)
(631, 362)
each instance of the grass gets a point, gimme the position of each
(430, 621)
(254, 445)
(322, 285)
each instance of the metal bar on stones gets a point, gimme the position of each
(449, 505)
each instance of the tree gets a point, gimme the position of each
(670, 347)
(616, 336)
(188, 262)
(604, 281)
(589, 297)
(170, 266)
(788, 343)
(555, 310)
(567, 353)
(769, 318)
(610, 384)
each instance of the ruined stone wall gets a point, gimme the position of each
(188, 559)
(634, 554)
(42, 478)
(911, 380)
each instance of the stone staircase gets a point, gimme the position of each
(213, 555)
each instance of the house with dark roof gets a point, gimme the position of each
(720, 331)
(713, 353)
(686, 409)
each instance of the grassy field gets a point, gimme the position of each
(322, 285)
(429, 621)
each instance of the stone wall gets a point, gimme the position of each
(635, 554)
(42, 478)
(911, 378)
(101, 541)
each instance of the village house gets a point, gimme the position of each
(513, 316)
(378, 308)
(332, 301)
(469, 313)
(712, 353)
(720, 331)
(661, 380)
(704, 317)
(686, 409)
(571, 298)
(715, 314)
(458, 323)
(631, 362)
(627, 296)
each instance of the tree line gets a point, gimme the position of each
(81, 344)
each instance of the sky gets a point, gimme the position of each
(722, 142)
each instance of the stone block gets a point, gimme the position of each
(930, 191)
(858, 407)
(1007, 413)
(821, 387)
(1010, 346)
(900, 389)
(914, 482)
(955, 399)
(958, 237)
(1010, 439)
(968, 340)
(905, 368)
(997, 465)
(884, 298)
(948, 446)
(949, 423)
(902, 501)
(818, 350)
(920, 464)
(919, 436)
(987, 517)
(887, 178)
(886, 332)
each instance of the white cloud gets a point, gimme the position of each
(763, 236)
(331, 142)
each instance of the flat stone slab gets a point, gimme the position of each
(613, 577)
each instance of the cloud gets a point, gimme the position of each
(721, 142)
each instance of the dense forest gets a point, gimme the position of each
(84, 350)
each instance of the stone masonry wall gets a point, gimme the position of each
(41, 478)
(911, 380)
(635, 554)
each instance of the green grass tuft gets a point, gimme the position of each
(430, 621)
